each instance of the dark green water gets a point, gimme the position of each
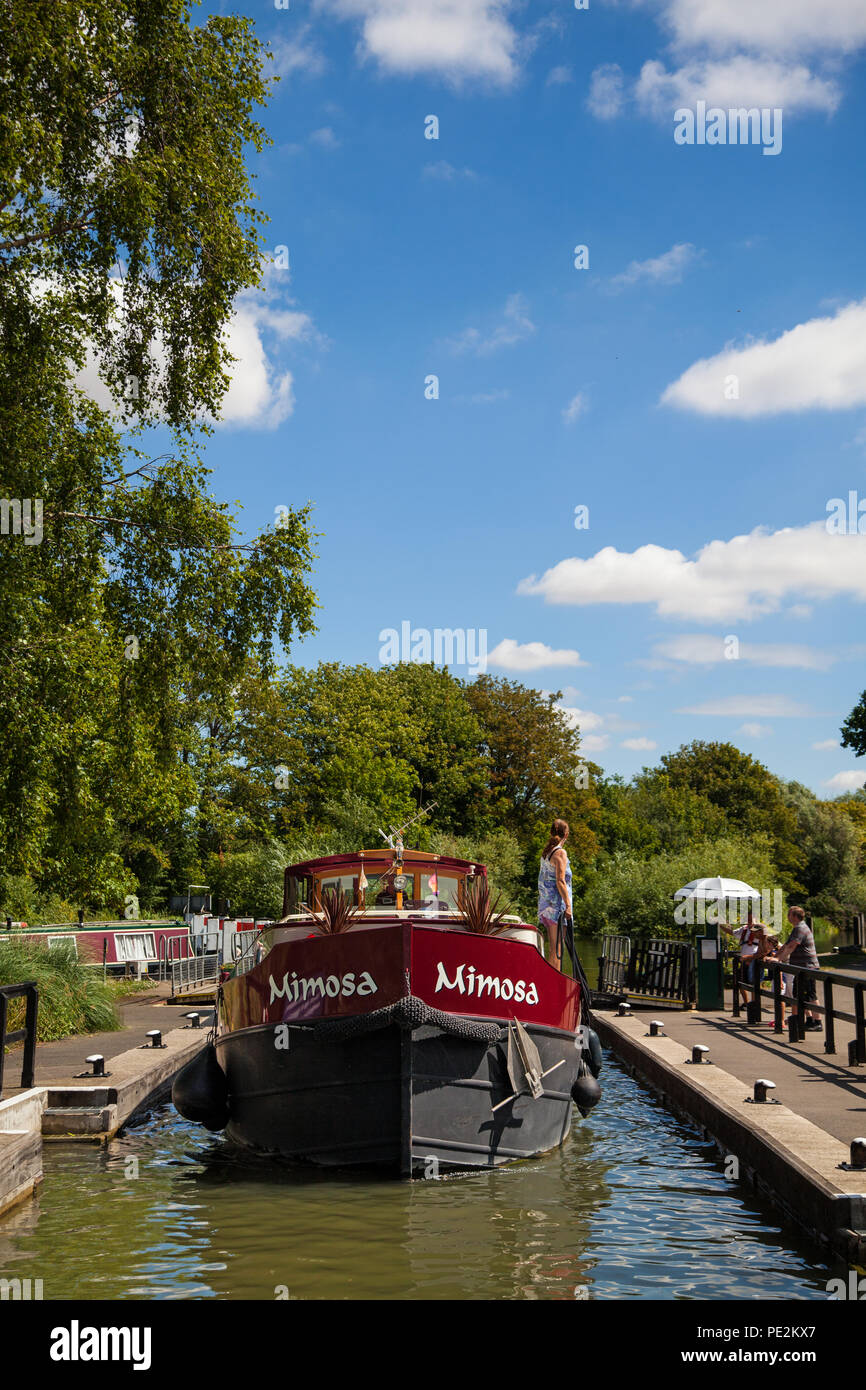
(634, 1206)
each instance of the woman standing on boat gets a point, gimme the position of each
(554, 887)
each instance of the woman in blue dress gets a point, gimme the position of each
(554, 887)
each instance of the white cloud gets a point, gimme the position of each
(454, 39)
(531, 656)
(818, 365)
(514, 326)
(261, 393)
(295, 54)
(625, 699)
(576, 406)
(790, 26)
(859, 440)
(733, 53)
(581, 718)
(594, 743)
(639, 745)
(596, 729)
(261, 390)
(324, 138)
(745, 577)
(740, 81)
(667, 269)
(702, 649)
(759, 706)
(559, 75)
(754, 730)
(484, 397)
(826, 744)
(606, 91)
(442, 170)
(847, 781)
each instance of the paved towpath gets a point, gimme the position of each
(58, 1062)
(822, 1089)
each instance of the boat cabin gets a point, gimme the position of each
(377, 880)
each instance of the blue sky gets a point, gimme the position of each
(700, 387)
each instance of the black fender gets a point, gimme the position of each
(592, 1054)
(585, 1093)
(200, 1090)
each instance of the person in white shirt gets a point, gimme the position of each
(750, 939)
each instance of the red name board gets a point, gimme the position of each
(360, 971)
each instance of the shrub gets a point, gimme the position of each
(72, 997)
(251, 878)
(635, 896)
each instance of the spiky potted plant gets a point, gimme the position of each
(337, 914)
(479, 915)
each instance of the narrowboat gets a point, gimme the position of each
(391, 1018)
(128, 944)
(142, 945)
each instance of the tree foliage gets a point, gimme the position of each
(854, 729)
(127, 227)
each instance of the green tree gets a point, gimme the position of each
(648, 815)
(634, 896)
(854, 729)
(827, 841)
(127, 227)
(533, 765)
(747, 794)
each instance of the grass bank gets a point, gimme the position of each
(72, 998)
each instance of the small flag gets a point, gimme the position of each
(433, 883)
(362, 881)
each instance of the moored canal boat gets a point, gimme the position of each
(390, 1018)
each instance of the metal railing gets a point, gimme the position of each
(613, 964)
(243, 953)
(247, 952)
(194, 972)
(797, 1020)
(30, 992)
(659, 970)
(168, 950)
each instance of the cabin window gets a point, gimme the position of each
(346, 884)
(63, 943)
(448, 892)
(380, 890)
(132, 946)
(297, 894)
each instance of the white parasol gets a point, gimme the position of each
(719, 888)
(721, 891)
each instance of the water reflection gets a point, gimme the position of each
(634, 1206)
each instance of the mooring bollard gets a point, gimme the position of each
(194, 1020)
(657, 1030)
(698, 1052)
(761, 1089)
(858, 1153)
(155, 1038)
(97, 1062)
(624, 1010)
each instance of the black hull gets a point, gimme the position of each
(417, 1102)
